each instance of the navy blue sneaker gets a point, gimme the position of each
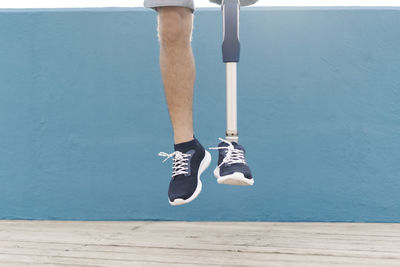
(232, 166)
(190, 160)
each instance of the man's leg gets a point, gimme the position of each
(190, 159)
(232, 167)
(177, 68)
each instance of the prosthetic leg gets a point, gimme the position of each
(231, 55)
(232, 167)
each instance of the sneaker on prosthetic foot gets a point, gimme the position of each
(190, 160)
(232, 167)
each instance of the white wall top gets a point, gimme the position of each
(199, 3)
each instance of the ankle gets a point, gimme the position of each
(183, 139)
(185, 146)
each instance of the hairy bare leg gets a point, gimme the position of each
(177, 68)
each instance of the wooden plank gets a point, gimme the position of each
(146, 253)
(198, 243)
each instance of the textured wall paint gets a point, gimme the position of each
(83, 115)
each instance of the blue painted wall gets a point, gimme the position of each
(83, 115)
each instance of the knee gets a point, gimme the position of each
(174, 25)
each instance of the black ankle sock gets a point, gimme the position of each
(183, 147)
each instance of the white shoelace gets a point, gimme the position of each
(180, 162)
(233, 155)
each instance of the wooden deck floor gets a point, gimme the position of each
(55, 243)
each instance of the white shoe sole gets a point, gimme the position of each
(203, 166)
(236, 178)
